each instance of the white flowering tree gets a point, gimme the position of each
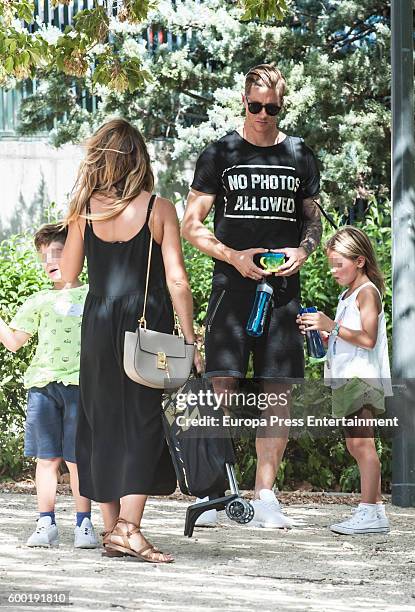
(335, 56)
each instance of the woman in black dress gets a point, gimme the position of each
(122, 455)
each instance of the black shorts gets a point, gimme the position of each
(278, 353)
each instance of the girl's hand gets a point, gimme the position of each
(325, 337)
(318, 321)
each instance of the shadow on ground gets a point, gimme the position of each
(227, 568)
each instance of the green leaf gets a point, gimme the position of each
(9, 65)
(25, 58)
(12, 45)
(25, 10)
(36, 58)
(93, 24)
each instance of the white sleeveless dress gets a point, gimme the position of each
(362, 375)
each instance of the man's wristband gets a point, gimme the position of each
(194, 343)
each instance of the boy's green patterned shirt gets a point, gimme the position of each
(55, 315)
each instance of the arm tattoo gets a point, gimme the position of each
(312, 227)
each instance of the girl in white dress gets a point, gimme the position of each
(357, 366)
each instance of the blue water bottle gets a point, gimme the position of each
(315, 346)
(255, 326)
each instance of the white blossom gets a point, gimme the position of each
(49, 33)
(124, 27)
(17, 25)
(134, 48)
(382, 28)
(99, 49)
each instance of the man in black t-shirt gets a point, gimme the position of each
(262, 184)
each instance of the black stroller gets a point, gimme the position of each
(203, 457)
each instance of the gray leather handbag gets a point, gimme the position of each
(155, 359)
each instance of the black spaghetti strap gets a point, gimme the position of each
(150, 207)
(88, 212)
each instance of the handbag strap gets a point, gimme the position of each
(142, 320)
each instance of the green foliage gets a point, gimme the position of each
(91, 25)
(23, 9)
(199, 268)
(55, 100)
(20, 277)
(323, 462)
(348, 127)
(265, 9)
(22, 53)
(120, 75)
(135, 10)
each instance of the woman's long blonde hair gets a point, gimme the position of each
(352, 243)
(116, 165)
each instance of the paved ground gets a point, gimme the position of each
(228, 568)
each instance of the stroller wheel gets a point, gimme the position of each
(240, 510)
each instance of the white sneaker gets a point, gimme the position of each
(381, 508)
(46, 534)
(365, 519)
(208, 518)
(85, 535)
(268, 512)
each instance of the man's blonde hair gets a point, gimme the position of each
(266, 75)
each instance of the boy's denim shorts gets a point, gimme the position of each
(51, 421)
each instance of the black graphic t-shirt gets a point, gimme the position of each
(259, 193)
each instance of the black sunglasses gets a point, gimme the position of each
(256, 107)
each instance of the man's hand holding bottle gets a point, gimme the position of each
(243, 261)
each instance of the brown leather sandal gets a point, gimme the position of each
(109, 552)
(126, 548)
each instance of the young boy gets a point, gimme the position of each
(52, 379)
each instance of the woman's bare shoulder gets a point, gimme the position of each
(165, 208)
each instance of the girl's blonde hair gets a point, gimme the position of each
(116, 165)
(352, 243)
